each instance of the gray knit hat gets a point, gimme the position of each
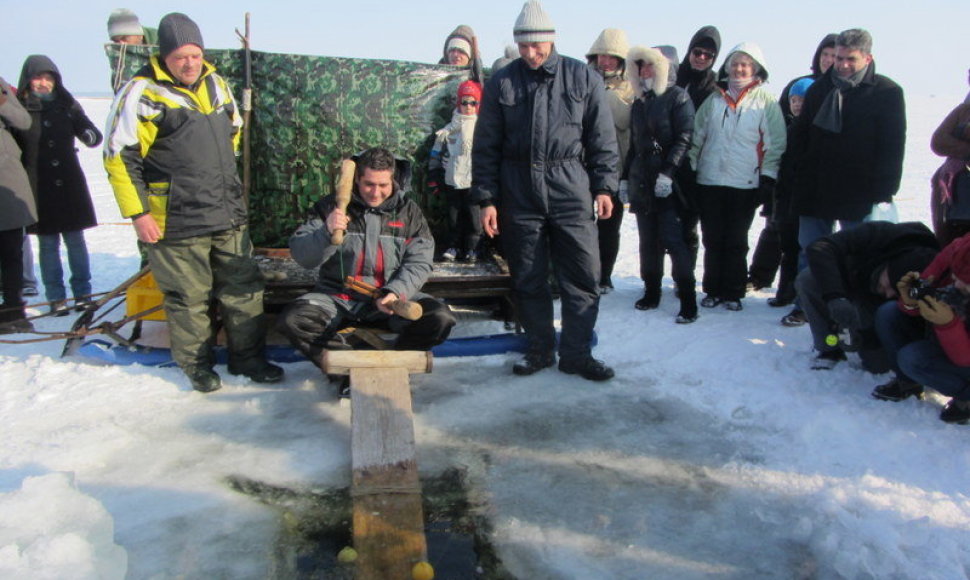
(176, 30)
(124, 22)
(533, 24)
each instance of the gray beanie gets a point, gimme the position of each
(533, 24)
(124, 22)
(176, 30)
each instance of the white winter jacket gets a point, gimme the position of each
(735, 143)
(454, 145)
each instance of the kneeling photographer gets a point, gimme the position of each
(925, 333)
(850, 274)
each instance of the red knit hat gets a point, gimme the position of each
(469, 89)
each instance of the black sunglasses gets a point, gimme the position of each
(469, 103)
(701, 53)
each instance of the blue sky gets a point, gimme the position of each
(924, 46)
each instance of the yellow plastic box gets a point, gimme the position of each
(142, 295)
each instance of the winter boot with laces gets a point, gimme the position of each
(898, 390)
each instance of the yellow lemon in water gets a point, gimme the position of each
(422, 571)
(347, 555)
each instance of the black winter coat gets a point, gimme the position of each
(844, 264)
(699, 84)
(841, 175)
(544, 140)
(50, 157)
(660, 131)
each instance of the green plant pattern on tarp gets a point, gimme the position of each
(309, 112)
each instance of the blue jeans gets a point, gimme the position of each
(813, 228)
(51, 271)
(917, 356)
(30, 280)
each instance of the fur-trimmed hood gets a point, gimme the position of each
(751, 49)
(661, 68)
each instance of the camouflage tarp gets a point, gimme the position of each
(311, 111)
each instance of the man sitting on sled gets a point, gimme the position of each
(386, 244)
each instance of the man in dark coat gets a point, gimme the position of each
(848, 143)
(696, 75)
(545, 152)
(849, 275)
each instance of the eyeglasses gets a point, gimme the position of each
(701, 53)
(469, 103)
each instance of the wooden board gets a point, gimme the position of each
(388, 521)
(342, 362)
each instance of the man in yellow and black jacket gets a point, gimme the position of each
(170, 153)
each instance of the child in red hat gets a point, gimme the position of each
(450, 172)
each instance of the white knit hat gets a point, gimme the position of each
(533, 24)
(460, 44)
(124, 22)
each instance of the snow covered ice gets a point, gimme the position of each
(715, 453)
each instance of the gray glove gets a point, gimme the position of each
(844, 313)
(664, 186)
(624, 193)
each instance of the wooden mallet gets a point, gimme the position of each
(342, 193)
(406, 310)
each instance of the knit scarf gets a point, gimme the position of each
(829, 116)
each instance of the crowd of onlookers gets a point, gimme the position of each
(549, 152)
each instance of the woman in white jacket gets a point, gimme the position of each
(739, 138)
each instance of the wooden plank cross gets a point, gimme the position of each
(388, 522)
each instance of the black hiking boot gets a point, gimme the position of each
(956, 411)
(897, 390)
(589, 368)
(794, 318)
(204, 380)
(826, 361)
(533, 363)
(650, 300)
(264, 372)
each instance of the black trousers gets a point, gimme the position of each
(312, 320)
(661, 230)
(726, 216)
(12, 266)
(609, 241)
(569, 242)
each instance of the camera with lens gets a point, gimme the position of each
(921, 289)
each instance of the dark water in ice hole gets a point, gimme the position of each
(316, 525)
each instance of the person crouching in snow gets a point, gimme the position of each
(450, 172)
(926, 334)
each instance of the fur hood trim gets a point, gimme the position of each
(661, 69)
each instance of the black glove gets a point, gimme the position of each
(766, 189)
(844, 313)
